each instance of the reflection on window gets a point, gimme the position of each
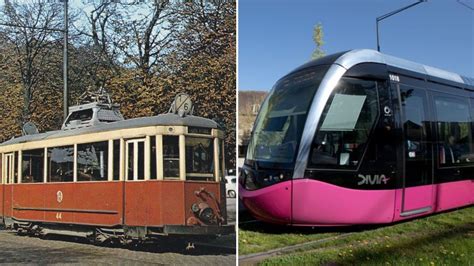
(171, 156)
(454, 131)
(346, 122)
(281, 120)
(199, 159)
(32, 166)
(414, 124)
(60, 164)
(92, 161)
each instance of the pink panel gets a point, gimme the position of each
(271, 204)
(418, 197)
(319, 203)
(454, 194)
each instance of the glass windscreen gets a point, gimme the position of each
(281, 120)
(347, 121)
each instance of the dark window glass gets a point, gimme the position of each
(130, 156)
(83, 115)
(153, 158)
(141, 160)
(60, 164)
(199, 159)
(92, 161)
(454, 131)
(345, 125)
(15, 169)
(415, 125)
(171, 156)
(32, 166)
(200, 130)
(116, 159)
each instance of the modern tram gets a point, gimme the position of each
(361, 137)
(108, 179)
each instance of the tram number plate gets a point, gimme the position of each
(59, 216)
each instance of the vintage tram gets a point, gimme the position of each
(361, 137)
(106, 178)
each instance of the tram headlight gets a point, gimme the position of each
(206, 215)
(195, 208)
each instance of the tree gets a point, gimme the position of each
(31, 37)
(318, 36)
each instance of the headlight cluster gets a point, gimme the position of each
(204, 213)
(251, 179)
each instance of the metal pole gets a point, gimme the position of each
(378, 42)
(65, 59)
(378, 19)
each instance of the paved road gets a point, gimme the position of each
(23, 249)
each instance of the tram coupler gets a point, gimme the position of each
(190, 246)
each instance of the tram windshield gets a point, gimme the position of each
(281, 120)
(345, 126)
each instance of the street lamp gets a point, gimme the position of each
(378, 19)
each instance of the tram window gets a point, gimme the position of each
(171, 157)
(116, 159)
(130, 158)
(60, 164)
(153, 158)
(82, 115)
(454, 131)
(15, 169)
(141, 160)
(92, 161)
(32, 166)
(10, 168)
(346, 122)
(199, 159)
(135, 162)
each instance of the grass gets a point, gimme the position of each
(442, 239)
(258, 237)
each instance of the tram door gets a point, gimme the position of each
(417, 178)
(9, 178)
(135, 205)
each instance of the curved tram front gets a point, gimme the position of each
(104, 178)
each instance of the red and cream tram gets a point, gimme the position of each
(103, 177)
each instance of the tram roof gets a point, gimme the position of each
(351, 58)
(168, 119)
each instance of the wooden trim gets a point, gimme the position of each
(147, 160)
(45, 166)
(159, 157)
(128, 133)
(122, 160)
(223, 159)
(182, 157)
(216, 159)
(3, 170)
(110, 162)
(74, 174)
(19, 169)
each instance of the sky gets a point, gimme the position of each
(275, 36)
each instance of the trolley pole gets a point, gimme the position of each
(378, 19)
(65, 61)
